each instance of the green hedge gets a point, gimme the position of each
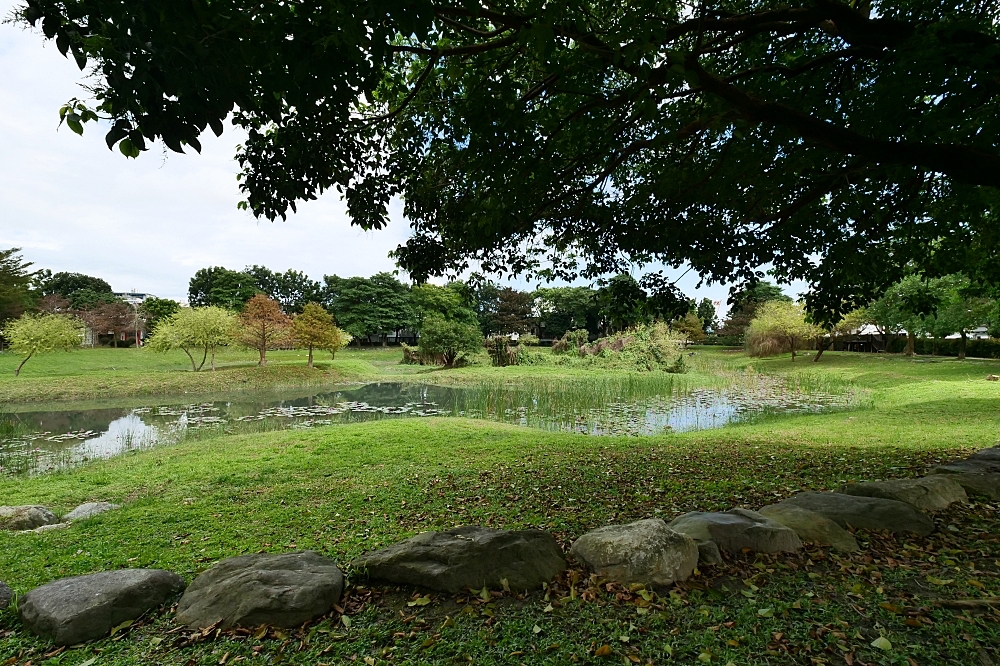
(989, 348)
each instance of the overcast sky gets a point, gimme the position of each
(149, 224)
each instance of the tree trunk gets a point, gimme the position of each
(961, 347)
(114, 340)
(385, 340)
(203, 357)
(194, 368)
(17, 371)
(911, 344)
(213, 359)
(263, 356)
(821, 347)
(310, 356)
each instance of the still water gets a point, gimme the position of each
(42, 440)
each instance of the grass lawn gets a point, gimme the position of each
(345, 489)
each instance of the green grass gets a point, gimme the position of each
(345, 489)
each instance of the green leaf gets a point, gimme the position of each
(73, 122)
(127, 149)
(882, 643)
(536, 629)
(766, 612)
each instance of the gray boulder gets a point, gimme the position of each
(469, 556)
(6, 594)
(646, 551)
(929, 493)
(735, 530)
(18, 518)
(282, 590)
(979, 484)
(869, 513)
(82, 608)
(991, 454)
(969, 465)
(812, 527)
(88, 510)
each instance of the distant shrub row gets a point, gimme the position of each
(988, 348)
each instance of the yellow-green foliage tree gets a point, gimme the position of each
(41, 333)
(314, 328)
(690, 326)
(777, 327)
(191, 329)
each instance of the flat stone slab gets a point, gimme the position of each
(969, 465)
(82, 608)
(646, 551)
(19, 518)
(89, 509)
(6, 594)
(735, 530)
(929, 493)
(281, 590)
(469, 556)
(869, 513)
(812, 527)
(45, 528)
(991, 454)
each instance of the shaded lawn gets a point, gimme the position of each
(345, 489)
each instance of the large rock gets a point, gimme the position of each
(969, 465)
(281, 590)
(646, 551)
(735, 530)
(991, 454)
(468, 556)
(17, 518)
(979, 484)
(811, 526)
(82, 608)
(870, 513)
(89, 510)
(6, 594)
(929, 493)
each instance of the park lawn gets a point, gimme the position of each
(112, 373)
(345, 489)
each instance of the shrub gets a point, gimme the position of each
(448, 340)
(501, 352)
(644, 348)
(571, 341)
(528, 340)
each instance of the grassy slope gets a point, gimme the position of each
(344, 489)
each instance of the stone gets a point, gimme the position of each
(869, 513)
(646, 551)
(6, 594)
(88, 510)
(82, 608)
(991, 454)
(18, 518)
(929, 493)
(469, 556)
(46, 528)
(979, 484)
(970, 465)
(735, 530)
(812, 527)
(281, 590)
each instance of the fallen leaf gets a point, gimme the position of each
(603, 651)
(536, 629)
(882, 643)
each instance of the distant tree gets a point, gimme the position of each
(486, 302)
(664, 301)
(221, 287)
(744, 304)
(448, 339)
(88, 299)
(369, 307)
(292, 289)
(689, 326)
(193, 329)
(514, 312)
(905, 307)
(956, 311)
(262, 326)
(622, 302)
(849, 323)
(314, 328)
(53, 303)
(779, 326)
(706, 313)
(454, 302)
(33, 334)
(15, 284)
(155, 310)
(67, 284)
(116, 318)
(564, 309)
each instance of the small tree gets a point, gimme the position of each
(690, 326)
(41, 333)
(117, 318)
(779, 326)
(707, 314)
(314, 328)
(448, 339)
(262, 326)
(191, 329)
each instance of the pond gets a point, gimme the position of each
(38, 440)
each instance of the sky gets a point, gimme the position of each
(148, 224)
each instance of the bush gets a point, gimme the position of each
(571, 341)
(448, 340)
(779, 326)
(644, 348)
(501, 352)
(528, 340)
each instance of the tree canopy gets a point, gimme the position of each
(33, 334)
(834, 140)
(15, 284)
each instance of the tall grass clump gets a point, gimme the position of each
(644, 348)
